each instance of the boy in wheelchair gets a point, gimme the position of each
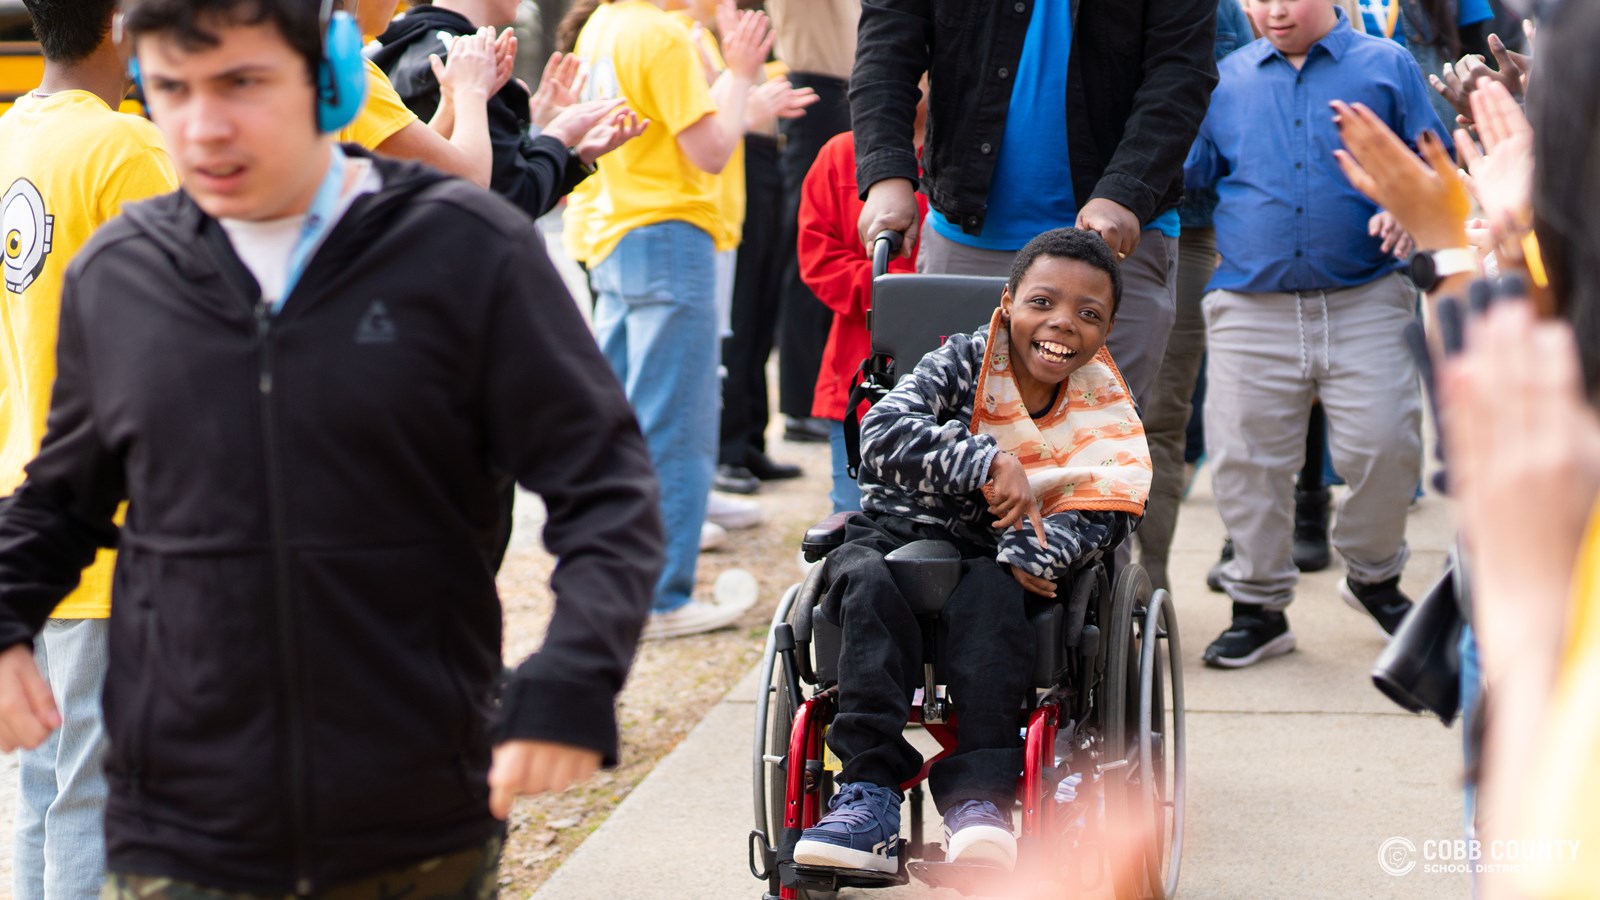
(1020, 445)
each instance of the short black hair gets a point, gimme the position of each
(70, 30)
(1070, 243)
(190, 22)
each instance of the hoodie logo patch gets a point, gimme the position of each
(377, 326)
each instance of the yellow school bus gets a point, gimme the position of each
(21, 66)
(21, 63)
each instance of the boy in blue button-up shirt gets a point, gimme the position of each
(1308, 303)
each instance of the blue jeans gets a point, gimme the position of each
(60, 848)
(846, 493)
(1471, 693)
(655, 317)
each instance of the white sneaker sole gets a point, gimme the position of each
(1278, 646)
(1354, 603)
(982, 844)
(818, 853)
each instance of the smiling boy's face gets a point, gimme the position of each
(1060, 316)
(1292, 26)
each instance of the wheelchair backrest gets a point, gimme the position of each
(912, 315)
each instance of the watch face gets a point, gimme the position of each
(1422, 271)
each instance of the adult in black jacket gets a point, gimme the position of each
(305, 633)
(1138, 79)
(532, 171)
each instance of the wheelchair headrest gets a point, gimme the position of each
(912, 315)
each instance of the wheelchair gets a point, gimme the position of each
(1101, 794)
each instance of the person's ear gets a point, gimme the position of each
(1005, 304)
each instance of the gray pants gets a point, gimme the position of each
(1270, 356)
(1166, 417)
(1139, 337)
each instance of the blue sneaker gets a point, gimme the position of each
(860, 831)
(977, 832)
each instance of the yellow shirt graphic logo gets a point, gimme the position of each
(28, 232)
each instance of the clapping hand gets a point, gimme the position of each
(776, 99)
(471, 71)
(746, 40)
(1458, 81)
(623, 126)
(1425, 196)
(1502, 172)
(560, 84)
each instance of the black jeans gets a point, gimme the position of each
(757, 293)
(804, 320)
(987, 658)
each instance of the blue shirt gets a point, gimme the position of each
(1287, 219)
(1375, 15)
(1031, 191)
(1233, 31)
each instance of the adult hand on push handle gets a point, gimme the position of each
(891, 206)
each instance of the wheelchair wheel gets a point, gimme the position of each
(775, 724)
(1117, 712)
(1161, 769)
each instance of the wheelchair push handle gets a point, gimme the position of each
(884, 247)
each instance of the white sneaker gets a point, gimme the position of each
(694, 617)
(712, 536)
(732, 512)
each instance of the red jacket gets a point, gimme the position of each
(838, 270)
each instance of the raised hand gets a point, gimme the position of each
(746, 45)
(1426, 196)
(623, 126)
(1502, 172)
(776, 99)
(572, 123)
(559, 87)
(470, 73)
(505, 57)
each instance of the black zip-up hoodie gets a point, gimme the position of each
(305, 635)
(532, 172)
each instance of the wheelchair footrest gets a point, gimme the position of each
(827, 878)
(969, 879)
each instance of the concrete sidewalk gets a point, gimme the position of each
(1298, 768)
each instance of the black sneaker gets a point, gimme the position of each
(735, 480)
(1312, 510)
(1214, 577)
(1382, 601)
(1255, 634)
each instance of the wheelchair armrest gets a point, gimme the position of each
(926, 572)
(824, 536)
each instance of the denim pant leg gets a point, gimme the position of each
(846, 493)
(986, 661)
(656, 322)
(60, 839)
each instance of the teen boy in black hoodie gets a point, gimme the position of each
(305, 635)
(534, 171)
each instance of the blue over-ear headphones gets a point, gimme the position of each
(341, 73)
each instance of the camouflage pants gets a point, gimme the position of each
(467, 875)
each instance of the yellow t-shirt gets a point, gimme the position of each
(68, 163)
(636, 51)
(730, 181)
(382, 115)
(1564, 798)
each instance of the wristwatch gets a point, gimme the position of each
(1429, 267)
